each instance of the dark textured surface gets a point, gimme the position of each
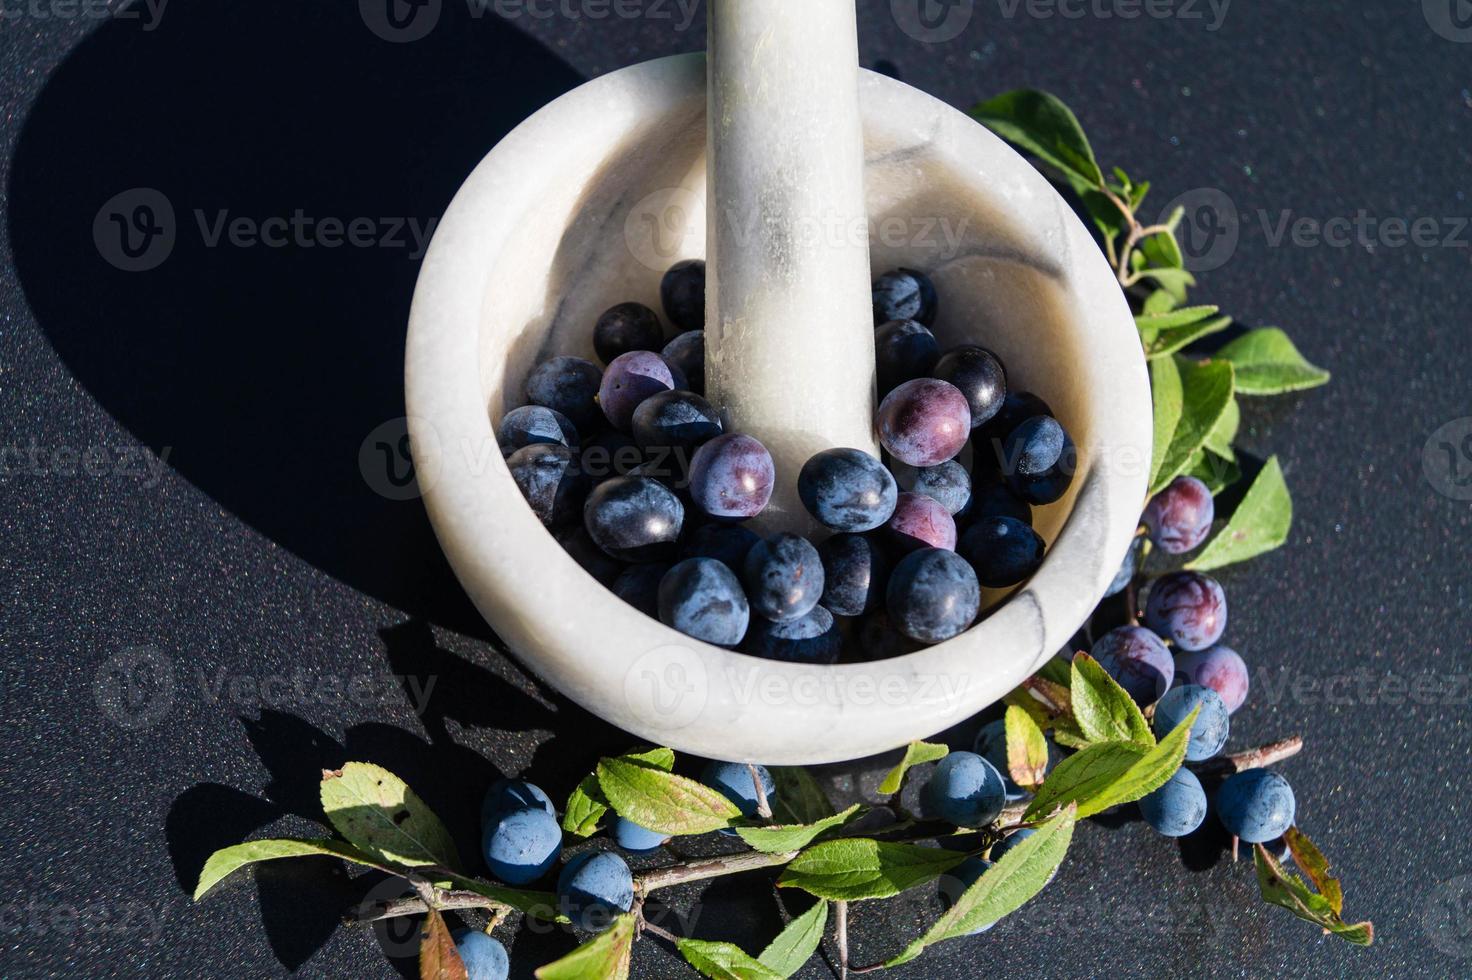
(283, 596)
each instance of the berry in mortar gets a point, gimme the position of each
(1177, 808)
(638, 585)
(932, 595)
(634, 518)
(702, 598)
(609, 453)
(594, 888)
(993, 498)
(1137, 660)
(1220, 669)
(522, 845)
(924, 422)
(581, 548)
(1034, 447)
(979, 375)
(1210, 729)
(733, 781)
(626, 327)
(731, 476)
(484, 958)
(784, 577)
(920, 522)
(1004, 551)
(1179, 517)
(629, 379)
(879, 639)
(550, 480)
(987, 452)
(965, 790)
(1256, 805)
(675, 420)
(810, 639)
(1187, 608)
(532, 425)
(946, 482)
(1127, 568)
(904, 294)
(847, 490)
(726, 543)
(686, 354)
(568, 385)
(682, 294)
(855, 572)
(903, 350)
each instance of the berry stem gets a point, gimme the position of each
(1263, 755)
(763, 808)
(678, 874)
(840, 936)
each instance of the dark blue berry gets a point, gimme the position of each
(947, 482)
(957, 881)
(1256, 805)
(1210, 729)
(638, 585)
(847, 490)
(579, 545)
(568, 385)
(594, 888)
(1177, 808)
(879, 639)
(1127, 568)
(626, 327)
(636, 839)
(810, 639)
(784, 577)
(702, 598)
(994, 498)
(733, 780)
(634, 518)
(904, 294)
(987, 452)
(1004, 551)
(726, 543)
(483, 957)
(682, 293)
(506, 795)
(1034, 446)
(532, 425)
(675, 420)
(903, 350)
(979, 375)
(550, 479)
(522, 845)
(610, 453)
(965, 790)
(932, 595)
(855, 572)
(686, 353)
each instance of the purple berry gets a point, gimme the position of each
(1137, 661)
(532, 425)
(686, 354)
(920, 522)
(979, 375)
(932, 595)
(847, 490)
(682, 294)
(626, 327)
(702, 598)
(924, 422)
(550, 480)
(1187, 608)
(1179, 517)
(629, 379)
(675, 420)
(784, 577)
(855, 571)
(1003, 551)
(1219, 668)
(903, 350)
(810, 639)
(568, 385)
(946, 482)
(731, 476)
(904, 294)
(634, 518)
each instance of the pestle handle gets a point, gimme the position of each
(789, 322)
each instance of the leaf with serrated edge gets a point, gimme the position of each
(1107, 774)
(605, 957)
(586, 807)
(1041, 124)
(796, 944)
(799, 799)
(1259, 524)
(1267, 363)
(1105, 712)
(1309, 858)
(1003, 888)
(1160, 301)
(793, 837)
(226, 861)
(916, 753)
(1027, 748)
(852, 869)
(1174, 281)
(438, 957)
(662, 801)
(1280, 886)
(724, 961)
(1163, 251)
(378, 812)
(1206, 388)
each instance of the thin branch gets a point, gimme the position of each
(649, 927)
(840, 935)
(1263, 755)
(763, 808)
(708, 868)
(443, 900)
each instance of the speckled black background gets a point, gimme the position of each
(259, 571)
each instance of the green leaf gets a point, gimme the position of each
(1004, 888)
(916, 753)
(1169, 402)
(1105, 712)
(724, 961)
(1206, 391)
(1174, 281)
(796, 944)
(661, 801)
(857, 868)
(794, 837)
(1267, 363)
(228, 860)
(1151, 325)
(1309, 858)
(587, 806)
(1160, 301)
(1167, 340)
(438, 957)
(1219, 440)
(1137, 194)
(1280, 886)
(1107, 216)
(799, 798)
(1041, 124)
(543, 905)
(1106, 774)
(1259, 524)
(1162, 251)
(1027, 748)
(1214, 471)
(605, 957)
(377, 811)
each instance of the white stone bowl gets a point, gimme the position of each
(556, 224)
